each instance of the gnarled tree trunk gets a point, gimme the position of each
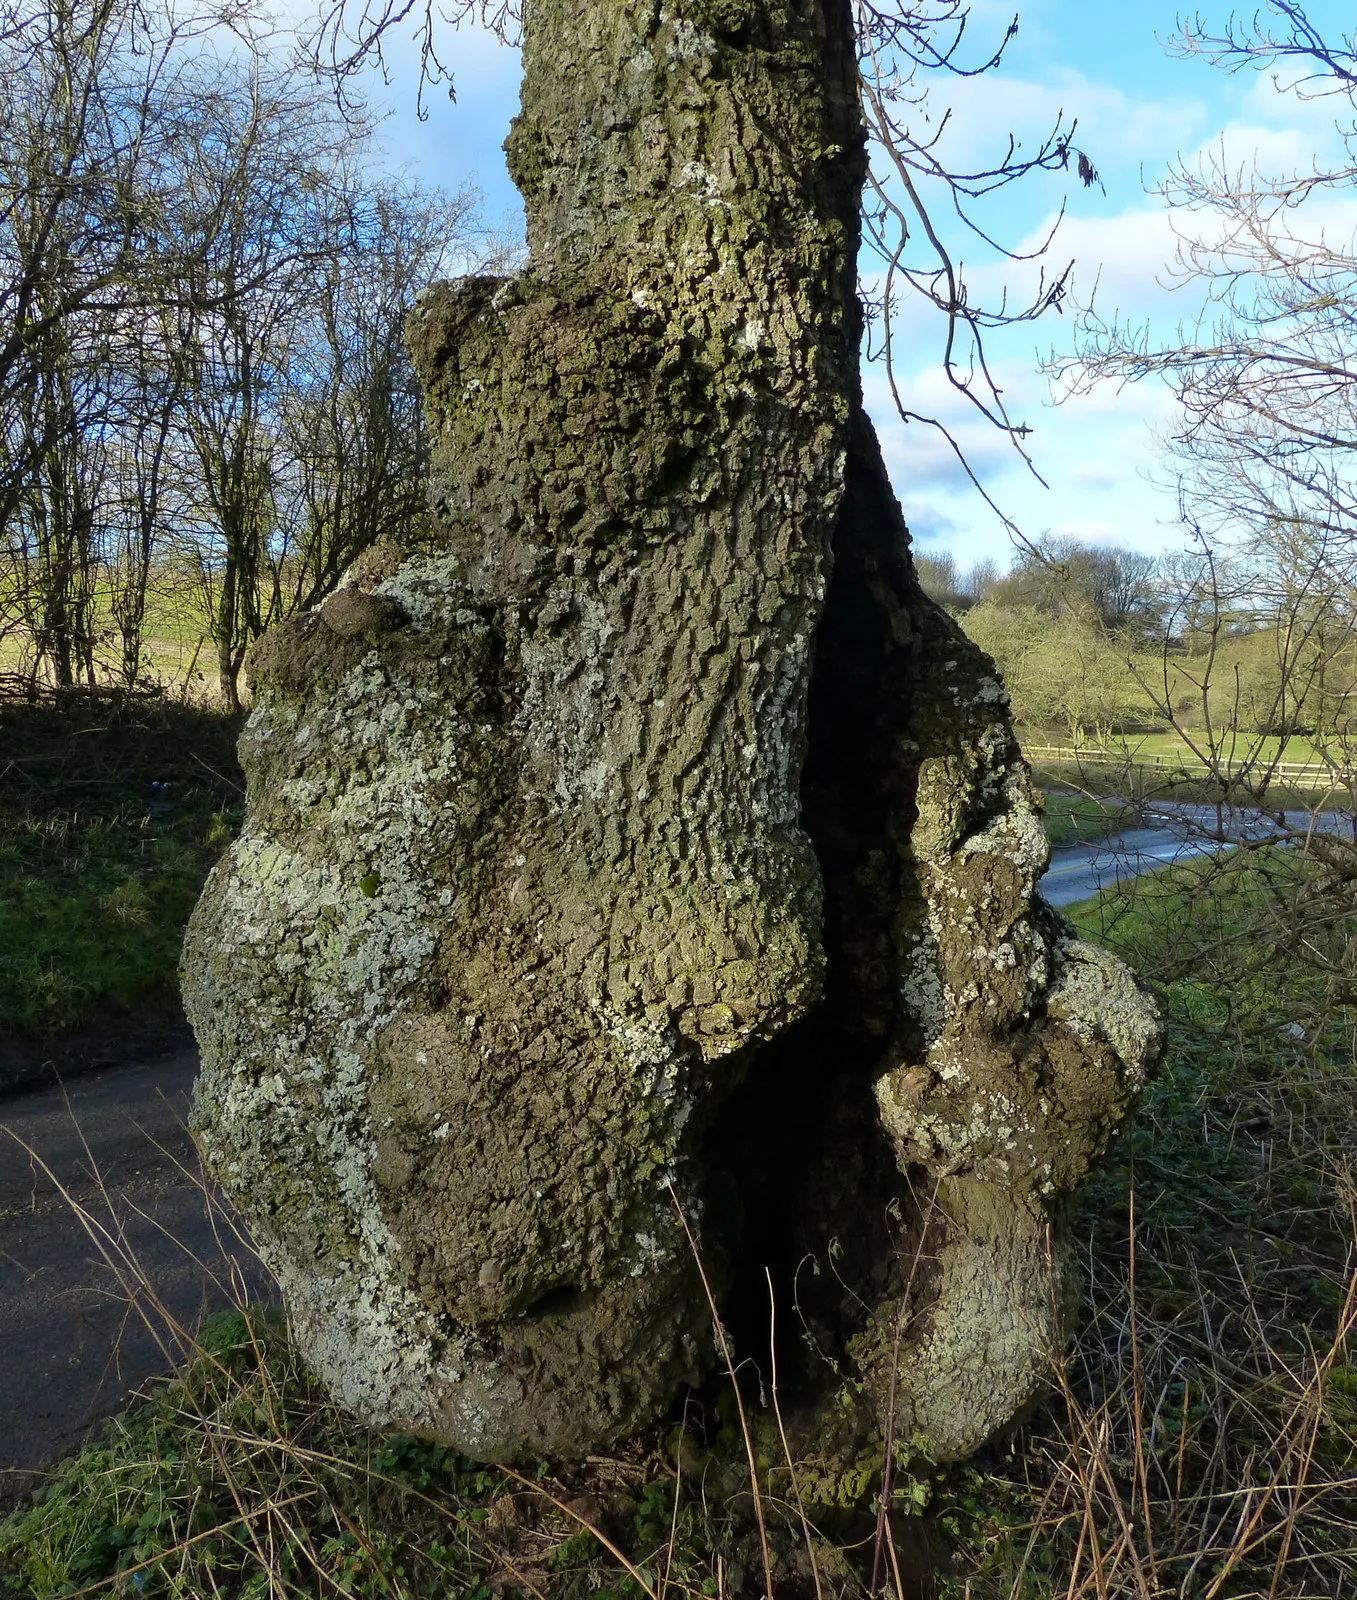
(656, 844)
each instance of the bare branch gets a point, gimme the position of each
(350, 36)
(1254, 44)
(911, 181)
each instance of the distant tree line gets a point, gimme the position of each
(1258, 642)
(205, 400)
(1056, 577)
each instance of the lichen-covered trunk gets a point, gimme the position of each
(655, 851)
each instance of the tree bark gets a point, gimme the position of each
(656, 846)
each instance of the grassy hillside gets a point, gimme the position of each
(112, 810)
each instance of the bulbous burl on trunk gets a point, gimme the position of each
(656, 843)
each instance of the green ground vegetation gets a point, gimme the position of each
(238, 1477)
(1072, 817)
(112, 810)
(1200, 1439)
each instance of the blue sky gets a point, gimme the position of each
(1138, 109)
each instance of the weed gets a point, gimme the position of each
(237, 1477)
(1201, 1441)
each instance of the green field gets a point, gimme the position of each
(177, 655)
(112, 810)
(1231, 749)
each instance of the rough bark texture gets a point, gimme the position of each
(620, 855)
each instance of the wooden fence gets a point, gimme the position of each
(1335, 774)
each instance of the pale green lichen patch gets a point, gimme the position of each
(1098, 999)
(315, 931)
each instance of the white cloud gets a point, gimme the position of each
(1114, 126)
(1096, 476)
(927, 525)
(1095, 451)
(1126, 261)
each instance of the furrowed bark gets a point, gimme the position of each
(656, 833)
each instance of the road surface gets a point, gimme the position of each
(1176, 830)
(76, 1280)
(1079, 870)
(77, 1286)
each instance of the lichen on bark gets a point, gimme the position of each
(655, 844)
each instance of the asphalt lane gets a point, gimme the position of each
(1079, 870)
(1176, 830)
(104, 1219)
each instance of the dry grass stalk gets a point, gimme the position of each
(724, 1346)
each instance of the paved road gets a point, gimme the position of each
(1079, 870)
(1177, 830)
(73, 1287)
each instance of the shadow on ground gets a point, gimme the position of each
(102, 1214)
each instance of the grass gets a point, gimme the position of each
(112, 810)
(238, 1477)
(1124, 769)
(1259, 936)
(1199, 1442)
(1073, 817)
(1136, 785)
(1171, 743)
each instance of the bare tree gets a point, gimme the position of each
(150, 491)
(1111, 587)
(939, 577)
(351, 419)
(203, 353)
(1257, 664)
(951, 585)
(302, 406)
(92, 99)
(53, 532)
(270, 156)
(979, 579)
